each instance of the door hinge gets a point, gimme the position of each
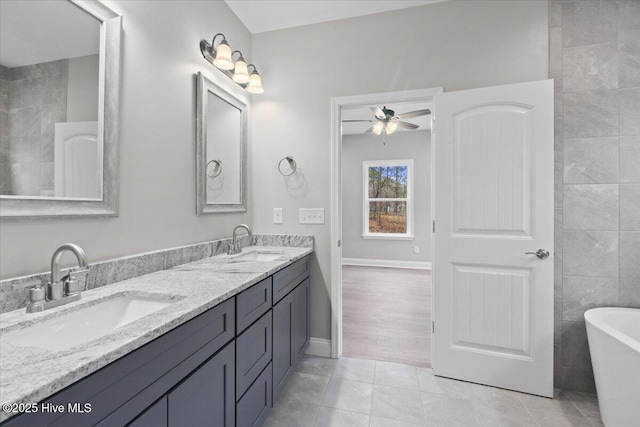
(339, 242)
(434, 225)
(433, 327)
(433, 125)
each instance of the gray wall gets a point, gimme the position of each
(414, 145)
(5, 171)
(595, 61)
(157, 138)
(455, 44)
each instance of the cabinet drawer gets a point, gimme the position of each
(284, 281)
(253, 353)
(254, 407)
(253, 303)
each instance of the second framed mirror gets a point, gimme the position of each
(221, 150)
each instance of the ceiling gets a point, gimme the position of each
(365, 113)
(37, 31)
(260, 16)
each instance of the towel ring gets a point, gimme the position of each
(218, 163)
(292, 164)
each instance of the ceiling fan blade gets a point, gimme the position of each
(370, 130)
(406, 125)
(354, 121)
(377, 111)
(416, 113)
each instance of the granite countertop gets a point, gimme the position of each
(31, 374)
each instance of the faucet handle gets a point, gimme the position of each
(71, 285)
(36, 283)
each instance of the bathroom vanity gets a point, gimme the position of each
(218, 353)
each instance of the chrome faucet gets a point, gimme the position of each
(234, 247)
(61, 290)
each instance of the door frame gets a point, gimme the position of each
(337, 104)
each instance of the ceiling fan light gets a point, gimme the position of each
(223, 56)
(391, 127)
(378, 127)
(240, 73)
(255, 83)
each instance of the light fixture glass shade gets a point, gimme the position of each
(241, 74)
(223, 56)
(377, 128)
(255, 83)
(391, 127)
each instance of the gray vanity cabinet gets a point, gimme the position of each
(291, 321)
(223, 368)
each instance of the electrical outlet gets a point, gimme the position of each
(277, 215)
(311, 216)
(416, 249)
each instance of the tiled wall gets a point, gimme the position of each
(37, 99)
(595, 62)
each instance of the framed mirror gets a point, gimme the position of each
(221, 150)
(59, 90)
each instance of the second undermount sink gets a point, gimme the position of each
(86, 324)
(256, 256)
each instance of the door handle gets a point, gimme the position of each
(540, 253)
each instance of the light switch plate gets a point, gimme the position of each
(311, 216)
(277, 215)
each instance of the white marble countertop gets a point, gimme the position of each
(31, 374)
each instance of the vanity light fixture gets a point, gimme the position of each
(240, 72)
(255, 82)
(222, 54)
(222, 57)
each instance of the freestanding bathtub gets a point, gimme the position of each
(614, 342)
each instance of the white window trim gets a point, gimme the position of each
(365, 199)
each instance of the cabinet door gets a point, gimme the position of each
(153, 416)
(283, 354)
(253, 353)
(254, 407)
(301, 319)
(206, 397)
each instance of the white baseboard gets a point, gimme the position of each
(386, 263)
(319, 347)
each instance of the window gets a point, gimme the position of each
(388, 205)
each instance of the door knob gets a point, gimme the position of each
(540, 253)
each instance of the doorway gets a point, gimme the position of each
(381, 279)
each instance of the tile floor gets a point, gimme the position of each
(353, 392)
(386, 314)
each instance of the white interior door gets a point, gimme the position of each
(493, 203)
(77, 160)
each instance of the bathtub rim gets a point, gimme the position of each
(593, 317)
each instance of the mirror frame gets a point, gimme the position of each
(203, 87)
(108, 114)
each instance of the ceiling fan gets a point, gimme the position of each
(386, 121)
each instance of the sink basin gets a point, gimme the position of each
(86, 324)
(256, 256)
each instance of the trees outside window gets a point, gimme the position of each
(387, 198)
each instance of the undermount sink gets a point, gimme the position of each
(256, 256)
(86, 324)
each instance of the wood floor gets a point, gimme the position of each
(386, 314)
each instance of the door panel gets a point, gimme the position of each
(493, 201)
(302, 321)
